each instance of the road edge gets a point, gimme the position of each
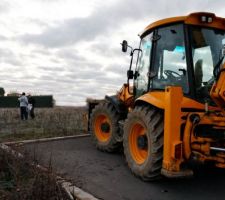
(45, 139)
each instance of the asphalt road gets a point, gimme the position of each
(107, 176)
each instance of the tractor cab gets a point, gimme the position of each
(183, 52)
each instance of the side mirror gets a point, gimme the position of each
(130, 74)
(124, 46)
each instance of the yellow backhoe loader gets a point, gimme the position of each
(173, 113)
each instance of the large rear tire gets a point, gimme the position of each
(143, 142)
(104, 127)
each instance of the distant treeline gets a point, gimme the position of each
(44, 101)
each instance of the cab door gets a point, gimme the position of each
(141, 80)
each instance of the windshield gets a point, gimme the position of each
(207, 51)
(169, 64)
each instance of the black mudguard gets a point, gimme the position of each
(118, 104)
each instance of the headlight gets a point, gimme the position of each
(206, 19)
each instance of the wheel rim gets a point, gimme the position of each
(138, 152)
(102, 127)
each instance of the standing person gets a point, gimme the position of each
(31, 102)
(23, 106)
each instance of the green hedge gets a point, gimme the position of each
(12, 101)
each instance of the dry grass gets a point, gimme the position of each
(21, 181)
(49, 122)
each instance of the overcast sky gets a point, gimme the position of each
(71, 48)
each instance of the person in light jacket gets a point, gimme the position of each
(23, 106)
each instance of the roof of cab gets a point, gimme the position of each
(193, 18)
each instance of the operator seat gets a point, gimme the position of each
(198, 73)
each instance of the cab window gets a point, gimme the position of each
(169, 66)
(141, 81)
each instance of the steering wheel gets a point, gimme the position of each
(171, 73)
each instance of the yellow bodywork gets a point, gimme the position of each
(126, 96)
(172, 121)
(157, 99)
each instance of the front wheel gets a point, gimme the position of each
(143, 142)
(104, 126)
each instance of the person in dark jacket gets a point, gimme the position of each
(23, 106)
(31, 106)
